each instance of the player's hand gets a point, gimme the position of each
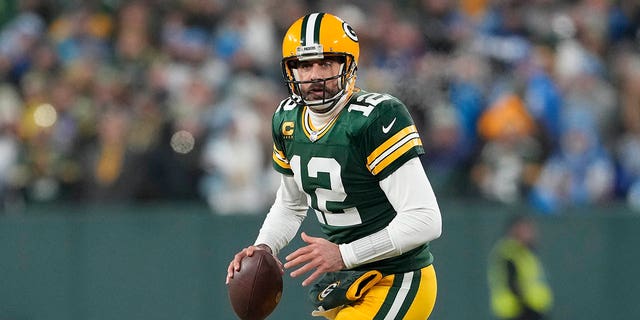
(319, 254)
(236, 263)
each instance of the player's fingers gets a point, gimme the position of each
(237, 259)
(306, 238)
(229, 273)
(300, 259)
(297, 253)
(236, 263)
(234, 266)
(249, 250)
(310, 279)
(305, 268)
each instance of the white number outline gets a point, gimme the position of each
(336, 193)
(371, 100)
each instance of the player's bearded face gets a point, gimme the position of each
(320, 90)
(316, 71)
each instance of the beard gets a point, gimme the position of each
(319, 91)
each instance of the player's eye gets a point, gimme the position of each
(304, 65)
(327, 63)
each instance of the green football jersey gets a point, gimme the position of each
(340, 165)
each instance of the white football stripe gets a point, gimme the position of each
(402, 294)
(311, 23)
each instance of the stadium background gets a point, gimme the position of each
(134, 146)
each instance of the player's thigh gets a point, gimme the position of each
(408, 296)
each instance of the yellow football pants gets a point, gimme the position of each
(408, 296)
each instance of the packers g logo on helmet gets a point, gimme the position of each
(316, 36)
(348, 30)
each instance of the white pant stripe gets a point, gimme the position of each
(402, 294)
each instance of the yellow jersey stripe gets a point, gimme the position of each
(391, 141)
(379, 152)
(308, 126)
(395, 153)
(279, 153)
(280, 159)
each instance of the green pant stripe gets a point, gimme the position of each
(413, 290)
(391, 296)
(403, 291)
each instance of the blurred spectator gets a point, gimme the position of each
(446, 148)
(17, 40)
(627, 149)
(246, 40)
(624, 22)
(172, 69)
(133, 51)
(114, 172)
(628, 69)
(81, 33)
(10, 108)
(46, 133)
(628, 155)
(542, 95)
(581, 172)
(518, 285)
(442, 25)
(467, 94)
(581, 67)
(505, 18)
(236, 179)
(511, 155)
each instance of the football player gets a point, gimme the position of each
(352, 157)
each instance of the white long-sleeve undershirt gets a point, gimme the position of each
(285, 216)
(418, 218)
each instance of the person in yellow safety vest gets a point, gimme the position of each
(517, 283)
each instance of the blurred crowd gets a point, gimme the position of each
(517, 101)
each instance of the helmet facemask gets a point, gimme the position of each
(345, 80)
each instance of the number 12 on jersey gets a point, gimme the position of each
(335, 193)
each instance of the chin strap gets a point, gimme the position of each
(329, 106)
(338, 99)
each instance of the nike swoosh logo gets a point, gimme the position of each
(387, 128)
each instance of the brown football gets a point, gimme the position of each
(255, 290)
